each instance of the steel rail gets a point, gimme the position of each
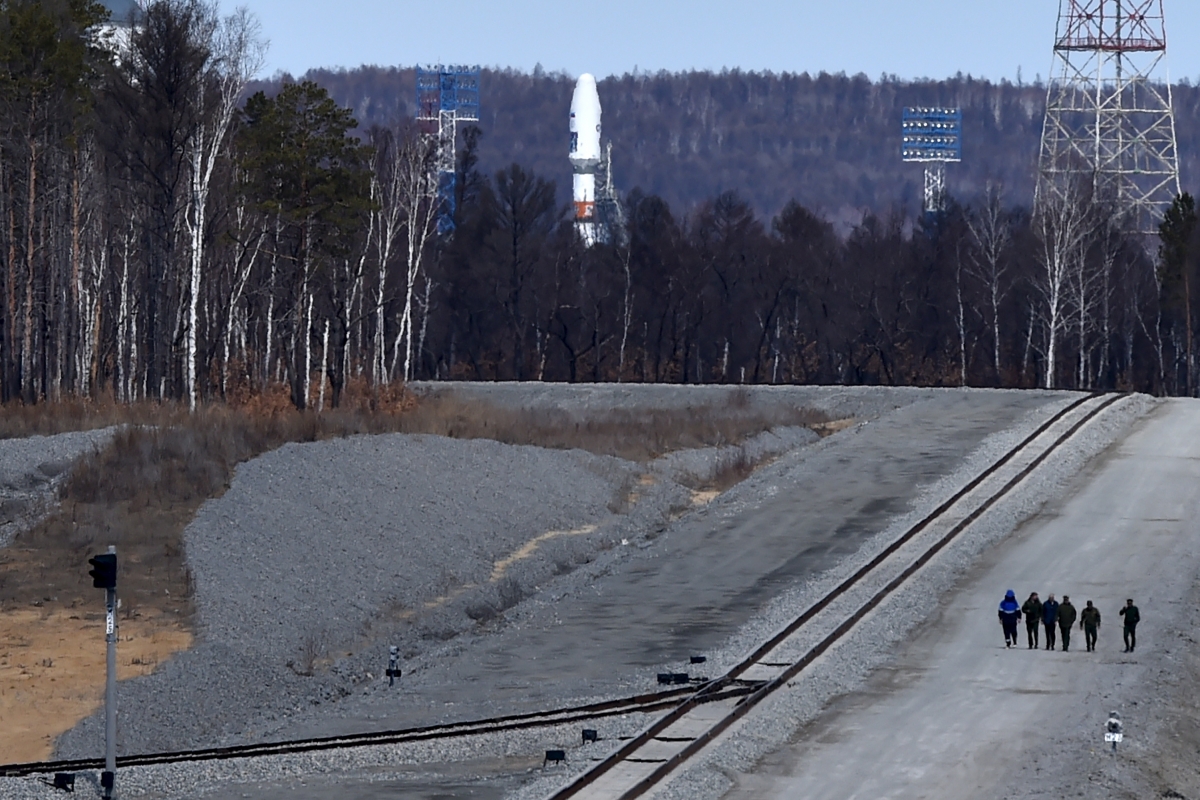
(652, 732)
(638, 704)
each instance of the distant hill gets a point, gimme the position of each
(829, 141)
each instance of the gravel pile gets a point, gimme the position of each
(30, 471)
(319, 552)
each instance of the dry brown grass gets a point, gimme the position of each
(636, 435)
(18, 420)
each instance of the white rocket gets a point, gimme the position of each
(585, 155)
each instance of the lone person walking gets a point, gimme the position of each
(1033, 617)
(1066, 618)
(1050, 619)
(1089, 620)
(1132, 617)
(1010, 612)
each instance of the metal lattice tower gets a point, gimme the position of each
(446, 96)
(933, 137)
(1109, 120)
(610, 215)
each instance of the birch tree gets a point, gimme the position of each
(409, 193)
(991, 235)
(404, 190)
(237, 51)
(1061, 227)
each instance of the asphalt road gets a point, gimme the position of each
(957, 715)
(697, 584)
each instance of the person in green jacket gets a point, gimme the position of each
(1132, 618)
(1032, 610)
(1066, 618)
(1089, 620)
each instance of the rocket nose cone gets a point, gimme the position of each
(585, 100)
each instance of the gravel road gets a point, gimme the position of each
(950, 712)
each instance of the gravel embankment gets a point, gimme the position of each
(30, 471)
(319, 552)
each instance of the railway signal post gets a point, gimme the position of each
(393, 668)
(104, 576)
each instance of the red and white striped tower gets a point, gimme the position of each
(1109, 122)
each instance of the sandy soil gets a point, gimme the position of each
(52, 665)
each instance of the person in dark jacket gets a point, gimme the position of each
(1066, 618)
(1050, 619)
(1010, 614)
(1132, 618)
(1089, 620)
(1032, 610)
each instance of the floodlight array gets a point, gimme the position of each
(932, 134)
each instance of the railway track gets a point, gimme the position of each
(639, 704)
(647, 760)
(694, 716)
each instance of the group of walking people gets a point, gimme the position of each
(1052, 615)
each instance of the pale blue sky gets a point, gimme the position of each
(909, 38)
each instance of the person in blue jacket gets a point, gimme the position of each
(1010, 615)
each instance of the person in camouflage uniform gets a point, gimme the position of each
(1066, 618)
(1033, 617)
(1089, 620)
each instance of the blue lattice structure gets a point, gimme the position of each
(932, 136)
(446, 95)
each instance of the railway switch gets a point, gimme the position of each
(590, 735)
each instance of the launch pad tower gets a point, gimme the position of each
(1109, 118)
(933, 137)
(446, 96)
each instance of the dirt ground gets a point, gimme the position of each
(52, 663)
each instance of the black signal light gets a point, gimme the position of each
(104, 571)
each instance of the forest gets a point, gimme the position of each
(173, 230)
(829, 142)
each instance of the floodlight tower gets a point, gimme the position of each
(1109, 122)
(446, 96)
(933, 137)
